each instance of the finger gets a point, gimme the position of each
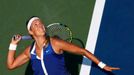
(16, 37)
(108, 69)
(13, 37)
(113, 68)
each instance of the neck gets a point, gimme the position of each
(40, 41)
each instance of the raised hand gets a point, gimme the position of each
(16, 39)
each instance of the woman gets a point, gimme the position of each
(46, 53)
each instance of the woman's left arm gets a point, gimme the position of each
(69, 47)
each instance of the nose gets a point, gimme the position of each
(37, 25)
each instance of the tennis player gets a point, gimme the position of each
(46, 53)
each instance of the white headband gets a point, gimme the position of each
(30, 22)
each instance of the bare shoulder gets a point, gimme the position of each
(61, 45)
(57, 45)
(58, 41)
(27, 51)
(53, 39)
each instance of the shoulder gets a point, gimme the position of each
(27, 51)
(57, 44)
(53, 39)
(57, 41)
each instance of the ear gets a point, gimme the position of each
(30, 32)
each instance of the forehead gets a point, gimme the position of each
(36, 21)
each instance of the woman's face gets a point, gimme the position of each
(37, 27)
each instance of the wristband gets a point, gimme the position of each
(101, 65)
(12, 47)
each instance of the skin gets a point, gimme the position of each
(38, 31)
